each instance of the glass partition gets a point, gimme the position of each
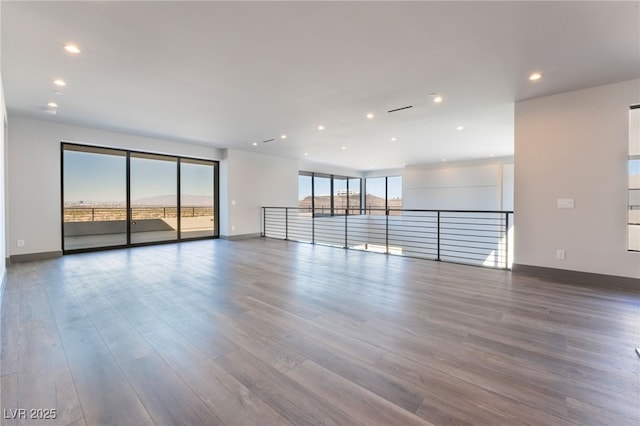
(197, 201)
(94, 206)
(154, 198)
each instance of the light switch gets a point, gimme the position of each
(565, 203)
(233, 202)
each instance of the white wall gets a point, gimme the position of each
(476, 185)
(328, 169)
(34, 175)
(3, 175)
(254, 181)
(575, 145)
(3, 183)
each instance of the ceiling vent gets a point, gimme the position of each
(400, 109)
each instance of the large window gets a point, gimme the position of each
(119, 198)
(322, 200)
(634, 179)
(355, 199)
(154, 198)
(376, 195)
(95, 197)
(383, 193)
(328, 195)
(305, 192)
(197, 194)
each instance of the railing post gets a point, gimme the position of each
(286, 223)
(313, 225)
(346, 243)
(506, 240)
(386, 231)
(264, 221)
(93, 214)
(438, 257)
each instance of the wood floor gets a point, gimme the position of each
(270, 332)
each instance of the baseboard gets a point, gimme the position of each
(578, 277)
(240, 237)
(30, 257)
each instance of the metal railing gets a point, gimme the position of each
(477, 237)
(99, 214)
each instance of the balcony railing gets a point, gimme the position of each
(477, 237)
(99, 214)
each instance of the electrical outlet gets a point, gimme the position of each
(20, 243)
(560, 254)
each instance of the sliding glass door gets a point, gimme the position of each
(154, 198)
(95, 197)
(119, 198)
(197, 189)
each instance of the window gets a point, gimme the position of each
(394, 194)
(305, 192)
(383, 193)
(340, 195)
(376, 196)
(94, 197)
(354, 189)
(322, 194)
(119, 198)
(197, 190)
(634, 179)
(329, 195)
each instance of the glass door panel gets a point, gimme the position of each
(322, 195)
(94, 189)
(340, 195)
(154, 198)
(376, 195)
(197, 203)
(354, 195)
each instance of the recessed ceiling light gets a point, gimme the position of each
(370, 116)
(535, 76)
(72, 48)
(57, 92)
(343, 148)
(306, 154)
(444, 159)
(255, 144)
(283, 136)
(460, 128)
(321, 127)
(393, 139)
(52, 105)
(492, 155)
(59, 82)
(437, 99)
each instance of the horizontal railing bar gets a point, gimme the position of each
(403, 210)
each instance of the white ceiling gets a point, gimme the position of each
(232, 73)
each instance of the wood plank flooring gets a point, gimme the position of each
(278, 333)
